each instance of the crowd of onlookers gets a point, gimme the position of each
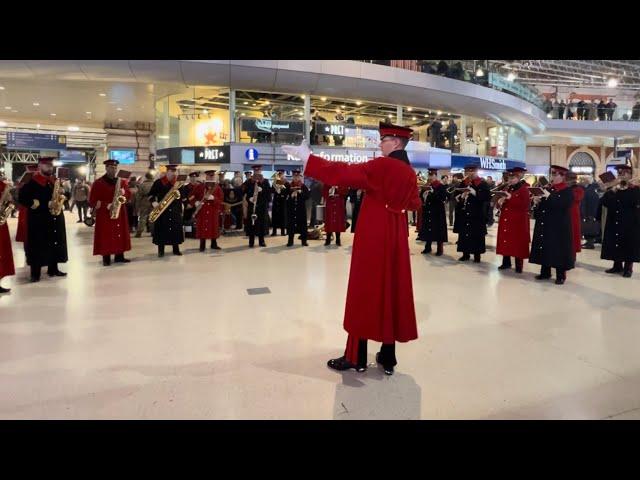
(588, 110)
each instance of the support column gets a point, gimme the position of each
(399, 115)
(232, 116)
(307, 119)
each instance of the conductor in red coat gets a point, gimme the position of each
(379, 302)
(576, 217)
(111, 234)
(6, 254)
(209, 198)
(335, 221)
(513, 229)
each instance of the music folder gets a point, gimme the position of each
(499, 193)
(536, 191)
(124, 174)
(607, 177)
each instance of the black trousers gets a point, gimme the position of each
(356, 352)
(82, 210)
(546, 272)
(37, 269)
(628, 266)
(252, 240)
(303, 235)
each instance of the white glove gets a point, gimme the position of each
(259, 189)
(36, 203)
(299, 151)
(546, 193)
(210, 197)
(508, 196)
(155, 204)
(472, 191)
(198, 203)
(109, 207)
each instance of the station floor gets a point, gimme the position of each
(182, 338)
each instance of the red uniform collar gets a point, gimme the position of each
(165, 181)
(477, 181)
(435, 184)
(43, 179)
(560, 186)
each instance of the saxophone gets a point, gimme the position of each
(57, 199)
(254, 200)
(117, 202)
(6, 206)
(171, 195)
(208, 192)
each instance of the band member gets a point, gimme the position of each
(233, 201)
(576, 219)
(380, 303)
(7, 267)
(335, 211)
(513, 228)
(473, 225)
(257, 196)
(111, 236)
(621, 240)
(434, 216)
(419, 214)
(278, 209)
(247, 180)
(356, 196)
(552, 245)
(46, 242)
(296, 197)
(167, 229)
(23, 212)
(209, 199)
(189, 199)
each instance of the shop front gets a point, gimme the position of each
(487, 166)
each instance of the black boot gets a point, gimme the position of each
(342, 364)
(4, 290)
(506, 263)
(214, 244)
(464, 257)
(160, 251)
(261, 242)
(274, 232)
(617, 268)
(545, 273)
(35, 273)
(476, 258)
(106, 260)
(53, 271)
(203, 244)
(440, 250)
(519, 265)
(176, 250)
(628, 269)
(119, 258)
(427, 248)
(338, 239)
(290, 242)
(327, 242)
(561, 276)
(387, 357)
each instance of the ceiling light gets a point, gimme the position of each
(1, 87)
(14, 111)
(245, 103)
(119, 109)
(164, 137)
(511, 77)
(549, 115)
(36, 104)
(439, 112)
(486, 139)
(73, 128)
(243, 114)
(612, 82)
(7, 108)
(52, 114)
(390, 116)
(413, 118)
(358, 103)
(266, 102)
(303, 96)
(344, 106)
(119, 119)
(205, 111)
(410, 108)
(426, 116)
(324, 99)
(38, 126)
(3, 124)
(254, 104)
(88, 113)
(102, 94)
(479, 72)
(301, 113)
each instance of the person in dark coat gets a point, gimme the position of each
(258, 212)
(434, 216)
(453, 203)
(621, 241)
(473, 222)
(452, 131)
(580, 110)
(296, 196)
(278, 209)
(561, 108)
(635, 112)
(552, 245)
(589, 214)
(602, 111)
(355, 198)
(611, 108)
(46, 242)
(434, 131)
(315, 199)
(586, 114)
(167, 229)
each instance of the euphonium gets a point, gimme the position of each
(171, 195)
(117, 202)
(57, 199)
(6, 206)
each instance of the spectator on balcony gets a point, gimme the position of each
(456, 72)
(570, 110)
(452, 131)
(556, 109)
(580, 110)
(315, 137)
(547, 106)
(611, 108)
(561, 108)
(635, 112)
(428, 67)
(435, 129)
(443, 68)
(602, 111)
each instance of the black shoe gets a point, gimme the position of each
(464, 258)
(57, 273)
(4, 290)
(106, 261)
(342, 364)
(79, 221)
(426, 251)
(627, 274)
(201, 249)
(34, 279)
(177, 253)
(289, 244)
(518, 269)
(305, 244)
(215, 247)
(504, 267)
(262, 244)
(560, 281)
(543, 277)
(614, 270)
(338, 243)
(251, 245)
(327, 243)
(121, 259)
(160, 254)
(439, 253)
(388, 370)
(476, 259)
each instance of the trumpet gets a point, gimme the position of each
(622, 182)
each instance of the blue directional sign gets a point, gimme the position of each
(36, 141)
(251, 154)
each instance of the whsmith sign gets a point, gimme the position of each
(484, 163)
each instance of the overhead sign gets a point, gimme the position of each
(267, 125)
(36, 141)
(251, 154)
(485, 162)
(72, 156)
(190, 155)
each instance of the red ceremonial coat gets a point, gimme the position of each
(513, 228)
(576, 218)
(335, 215)
(110, 236)
(6, 254)
(379, 302)
(208, 219)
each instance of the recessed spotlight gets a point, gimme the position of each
(119, 109)
(390, 116)
(324, 99)
(245, 103)
(303, 96)
(344, 106)
(88, 113)
(413, 118)
(7, 108)
(120, 120)
(358, 103)
(14, 111)
(36, 104)
(3, 124)
(254, 104)
(243, 114)
(266, 102)
(52, 114)
(102, 94)
(1, 87)
(410, 108)
(439, 112)
(38, 125)
(426, 115)
(73, 128)
(511, 77)
(612, 82)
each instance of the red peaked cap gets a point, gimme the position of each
(559, 169)
(111, 162)
(389, 130)
(517, 170)
(46, 160)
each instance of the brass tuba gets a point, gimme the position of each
(170, 196)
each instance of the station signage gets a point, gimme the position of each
(36, 141)
(267, 125)
(191, 155)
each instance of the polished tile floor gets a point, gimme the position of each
(181, 338)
